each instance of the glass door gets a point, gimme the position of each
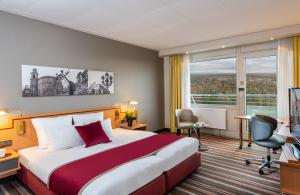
(261, 84)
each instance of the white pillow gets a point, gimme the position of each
(84, 119)
(106, 125)
(62, 137)
(40, 123)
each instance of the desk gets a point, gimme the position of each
(284, 130)
(241, 118)
(289, 165)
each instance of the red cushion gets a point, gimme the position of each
(92, 134)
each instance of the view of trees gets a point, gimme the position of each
(221, 89)
(213, 83)
(263, 83)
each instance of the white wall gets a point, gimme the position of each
(138, 71)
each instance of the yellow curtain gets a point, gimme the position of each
(296, 49)
(175, 87)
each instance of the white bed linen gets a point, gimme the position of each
(123, 180)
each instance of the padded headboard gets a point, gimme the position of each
(29, 138)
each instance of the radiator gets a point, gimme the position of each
(215, 118)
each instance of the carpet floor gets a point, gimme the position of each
(223, 171)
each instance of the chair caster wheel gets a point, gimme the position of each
(247, 162)
(269, 166)
(261, 172)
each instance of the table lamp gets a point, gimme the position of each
(133, 109)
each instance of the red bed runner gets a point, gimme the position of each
(69, 179)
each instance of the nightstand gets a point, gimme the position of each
(136, 126)
(9, 165)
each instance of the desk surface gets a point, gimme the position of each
(284, 130)
(246, 117)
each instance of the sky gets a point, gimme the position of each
(253, 65)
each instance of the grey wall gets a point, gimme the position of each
(138, 72)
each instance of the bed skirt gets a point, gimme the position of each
(175, 175)
(160, 185)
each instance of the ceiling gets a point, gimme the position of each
(161, 24)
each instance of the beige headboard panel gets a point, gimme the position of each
(29, 138)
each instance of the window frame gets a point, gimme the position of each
(241, 52)
(242, 74)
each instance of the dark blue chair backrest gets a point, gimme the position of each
(262, 127)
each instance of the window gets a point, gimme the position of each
(261, 82)
(213, 81)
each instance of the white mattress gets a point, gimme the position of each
(123, 180)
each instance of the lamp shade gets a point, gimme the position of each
(5, 119)
(133, 103)
(3, 112)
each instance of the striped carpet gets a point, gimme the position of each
(13, 187)
(223, 171)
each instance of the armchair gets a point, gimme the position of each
(185, 119)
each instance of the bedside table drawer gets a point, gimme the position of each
(8, 165)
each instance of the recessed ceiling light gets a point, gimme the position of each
(223, 46)
(187, 52)
(271, 38)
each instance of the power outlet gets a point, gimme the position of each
(5, 143)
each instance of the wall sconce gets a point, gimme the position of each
(7, 120)
(3, 112)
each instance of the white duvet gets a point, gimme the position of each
(122, 180)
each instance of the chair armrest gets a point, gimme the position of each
(176, 119)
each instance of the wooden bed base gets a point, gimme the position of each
(160, 185)
(29, 138)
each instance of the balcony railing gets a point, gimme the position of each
(231, 99)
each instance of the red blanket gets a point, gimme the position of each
(71, 178)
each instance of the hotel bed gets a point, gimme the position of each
(156, 173)
(123, 180)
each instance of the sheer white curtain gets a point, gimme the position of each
(285, 77)
(186, 89)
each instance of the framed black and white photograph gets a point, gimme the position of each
(40, 81)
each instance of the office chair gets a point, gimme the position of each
(262, 128)
(185, 119)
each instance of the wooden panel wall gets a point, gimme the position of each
(29, 138)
